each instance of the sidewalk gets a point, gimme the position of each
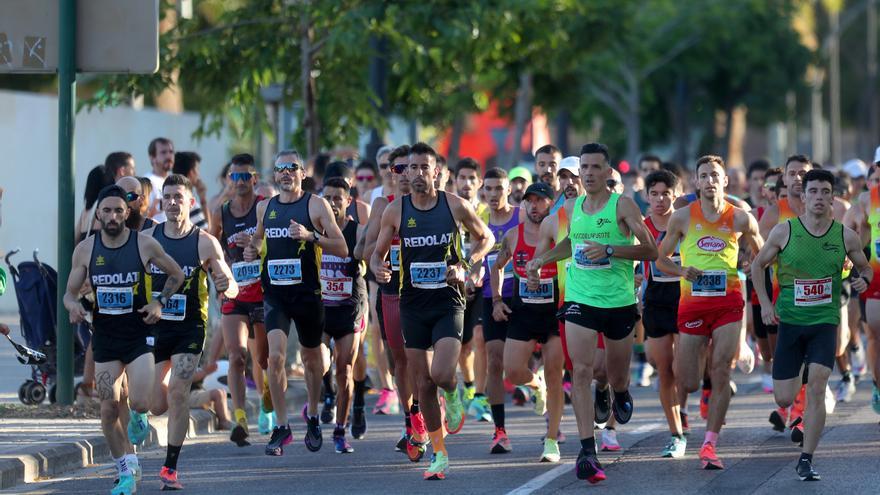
(32, 449)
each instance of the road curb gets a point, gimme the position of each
(50, 460)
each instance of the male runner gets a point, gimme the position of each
(297, 227)
(161, 151)
(414, 423)
(501, 218)
(115, 261)
(547, 159)
(344, 291)
(137, 204)
(432, 303)
(599, 295)
(711, 303)
(810, 251)
(531, 317)
(180, 333)
(661, 308)
(234, 223)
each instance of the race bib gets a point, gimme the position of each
(175, 307)
(246, 272)
(584, 263)
(658, 275)
(336, 288)
(428, 275)
(394, 257)
(812, 292)
(543, 294)
(712, 283)
(114, 300)
(285, 272)
(508, 268)
(877, 248)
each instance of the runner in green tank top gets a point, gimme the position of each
(599, 294)
(810, 251)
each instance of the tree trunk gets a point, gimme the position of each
(170, 99)
(563, 123)
(834, 87)
(455, 141)
(633, 123)
(311, 123)
(736, 137)
(522, 113)
(873, 130)
(679, 112)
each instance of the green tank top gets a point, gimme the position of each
(809, 275)
(606, 283)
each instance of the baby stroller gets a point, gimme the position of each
(35, 289)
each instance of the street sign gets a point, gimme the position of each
(117, 36)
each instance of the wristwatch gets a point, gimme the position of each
(609, 251)
(162, 300)
(315, 236)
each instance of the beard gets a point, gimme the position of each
(112, 229)
(517, 196)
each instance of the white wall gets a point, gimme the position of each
(29, 163)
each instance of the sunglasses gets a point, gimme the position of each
(399, 168)
(365, 178)
(243, 176)
(131, 196)
(611, 183)
(290, 167)
(770, 185)
(384, 165)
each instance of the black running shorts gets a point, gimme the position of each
(494, 330)
(798, 345)
(659, 321)
(306, 311)
(613, 323)
(178, 337)
(526, 323)
(473, 313)
(422, 328)
(110, 345)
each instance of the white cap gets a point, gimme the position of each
(572, 164)
(855, 168)
(877, 155)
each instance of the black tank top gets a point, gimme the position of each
(393, 259)
(342, 282)
(352, 211)
(429, 242)
(662, 289)
(190, 303)
(245, 273)
(289, 266)
(120, 286)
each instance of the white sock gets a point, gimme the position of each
(122, 467)
(131, 460)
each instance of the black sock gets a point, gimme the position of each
(171, 456)
(642, 357)
(609, 428)
(847, 376)
(468, 384)
(707, 383)
(415, 407)
(407, 420)
(360, 389)
(498, 415)
(328, 384)
(620, 397)
(479, 395)
(805, 456)
(588, 445)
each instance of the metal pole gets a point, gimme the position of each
(66, 120)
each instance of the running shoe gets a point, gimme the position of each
(588, 467)
(313, 438)
(239, 434)
(830, 401)
(704, 403)
(540, 394)
(521, 395)
(767, 383)
(797, 433)
(468, 395)
(623, 412)
(281, 436)
(675, 448)
(358, 422)
(560, 437)
(265, 421)
(857, 358)
(438, 468)
(845, 390)
(342, 445)
(419, 430)
(387, 403)
(778, 418)
(415, 449)
(875, 399)
(746, 359)
(138, 427)
(454, 412)
(266, 399)
(400, 446)
(609, 441)
(125, 486)
(685, 424)
(806, 472)
(500, 442)
(566, 391)
(328, 411)
(551, 451)
(168, 479)
(134, 466)
(708, 457)
(480, 409)
(643, 374)
(602, 405)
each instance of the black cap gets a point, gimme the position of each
(541, 189)
(111, 191)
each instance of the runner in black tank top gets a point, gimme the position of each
(180, 334)
(293, 230)
(432, 293)
(114, 262)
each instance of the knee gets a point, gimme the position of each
(495, 363)
(238, 359)
(276, 359)
(140, 405)
(444, 380)
(178, 396)
(582, 372)
(109, 411)
(783, 400)
(720, 372)
(217, 395)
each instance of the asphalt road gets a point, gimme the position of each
(757, 459)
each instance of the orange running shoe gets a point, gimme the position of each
(708, 457)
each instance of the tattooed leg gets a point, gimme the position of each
(107, 384)
(183, 366)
